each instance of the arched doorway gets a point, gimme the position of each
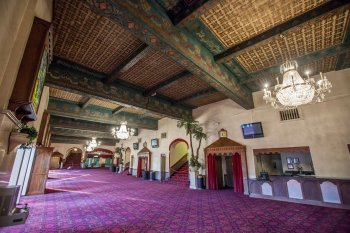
(73, 158)
(178, 154)
(56, 160)
(99, 157)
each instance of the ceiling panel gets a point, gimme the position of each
(152, 69)
(104, 104)
(60, 94)
(88, 39)
(324, 32)
(184, 87)
(236, 21)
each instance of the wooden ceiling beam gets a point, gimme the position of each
(198, 94)
(76, 81)
(80, 140)
(118, 110)
(232, 52)
(80, 133)
(126, 65)
(69, 123)
(61, 108)
(303, 60)
(86, 101)
(151, 91)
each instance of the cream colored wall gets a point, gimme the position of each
(165, 125)
(177, 151)
(16, 21)
(324, 128)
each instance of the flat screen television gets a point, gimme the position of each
(154, 143)
(252, 130)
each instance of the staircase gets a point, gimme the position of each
(180, 177)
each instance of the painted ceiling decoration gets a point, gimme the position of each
(154, 59)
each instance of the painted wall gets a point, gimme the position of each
(177, 151)
(324, 127)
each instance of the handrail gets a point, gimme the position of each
(178, 164)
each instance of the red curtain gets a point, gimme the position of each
(237, 173)
(212, 177)
(139, 167)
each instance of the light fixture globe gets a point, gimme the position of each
(294, 90)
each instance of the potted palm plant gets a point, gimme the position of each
(32, 134)
(195, 131)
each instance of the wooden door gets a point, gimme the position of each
(40, 170)
(218, 165)
(162, 167)
(229, 172)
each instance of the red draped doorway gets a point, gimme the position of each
(233, 152)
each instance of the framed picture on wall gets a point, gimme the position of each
(290, 166)
(296, 160)
(135, 146)
(289, 160)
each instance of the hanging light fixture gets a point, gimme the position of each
(122, 132)
(91, 145)
(295, 90)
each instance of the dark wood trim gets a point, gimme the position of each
(22, 93)
(151, 91)
(136, 56)
(118, 110)
(86, 101)
(305, 149)
(232, 52)
(43, 129)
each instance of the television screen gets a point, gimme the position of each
(252, 130)
(154, 143)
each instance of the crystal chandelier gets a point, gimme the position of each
(122, 132)
(295, 90)
(91, 145)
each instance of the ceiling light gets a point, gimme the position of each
(91, 145)
(122, 132)
(295, 90)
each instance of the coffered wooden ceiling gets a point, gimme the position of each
(165, 57)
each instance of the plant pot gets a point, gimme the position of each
(16, 139)
(193, 180)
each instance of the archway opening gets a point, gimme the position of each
(73, 158)
(178, 157)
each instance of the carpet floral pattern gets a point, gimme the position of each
(102, 201)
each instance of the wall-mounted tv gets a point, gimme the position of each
(252, 130)
(155, 143)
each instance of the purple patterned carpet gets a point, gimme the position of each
(101, 201)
